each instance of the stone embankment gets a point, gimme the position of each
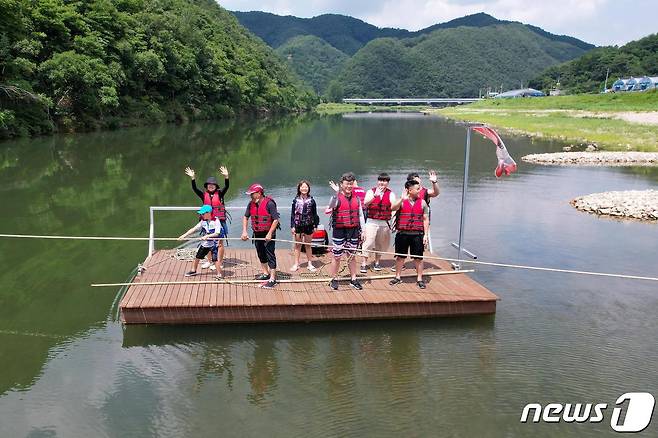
(595, 158)
(635, 204)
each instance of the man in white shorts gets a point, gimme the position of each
(377, 231)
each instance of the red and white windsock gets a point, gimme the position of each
(506, 164)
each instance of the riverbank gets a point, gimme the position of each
(617, 122)
(344, 108)
(634, 204)
(594, 158)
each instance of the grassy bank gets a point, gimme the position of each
(573, 119)
(342, 108)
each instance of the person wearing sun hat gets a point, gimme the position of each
(264, 221)
(213, 196)
(210, 229)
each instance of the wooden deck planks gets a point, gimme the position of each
(452, 294)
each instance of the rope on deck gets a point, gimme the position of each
(289, 280)
(317, 245)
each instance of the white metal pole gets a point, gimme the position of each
(467, 154)
(151, 233)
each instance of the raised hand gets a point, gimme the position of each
(189, 172)
(379, 191)
(405, 194)
(334, 186)
(432, 176)
(224, 171)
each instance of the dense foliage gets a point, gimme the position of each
(102, 63)
(587, 74)
(314, 60)
(349, 34)
(451, 62)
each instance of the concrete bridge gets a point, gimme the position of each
(414, 101)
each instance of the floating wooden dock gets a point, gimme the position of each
(189, 302)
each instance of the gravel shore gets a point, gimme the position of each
(595, 158)
(635, 204)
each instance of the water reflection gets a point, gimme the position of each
(554, 336)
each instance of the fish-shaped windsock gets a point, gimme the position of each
(506, 164)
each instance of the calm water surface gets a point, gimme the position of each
(70, 370)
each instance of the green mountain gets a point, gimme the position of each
(587, 73)
(452, 62)
(349, 34)
(86, 64)
(313, 59)
(456, 58)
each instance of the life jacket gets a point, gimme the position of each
(320, 237)
(218, 209)
(304, 218)
(422, 194)
(361, 194)
(410, 217)
(346, 213)
(208, 227)
(261, 220)
(380, 208)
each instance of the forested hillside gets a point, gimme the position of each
(587, 73)
(349, 34)
(457, 58)
(451, 62)
(73, 65)
(314, 60)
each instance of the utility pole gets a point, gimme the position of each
(605, 86)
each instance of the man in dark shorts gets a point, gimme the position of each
(411, 222)
(348, 223)
(264, 222)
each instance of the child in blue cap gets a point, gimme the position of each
(210, 229)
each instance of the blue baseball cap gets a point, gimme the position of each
(205, 209)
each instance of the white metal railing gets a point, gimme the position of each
(153, 209)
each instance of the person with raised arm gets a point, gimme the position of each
(347, 222)
(412, 224)
(215, 198)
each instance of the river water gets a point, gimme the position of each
(70, 370)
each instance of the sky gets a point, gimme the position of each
(600, 22)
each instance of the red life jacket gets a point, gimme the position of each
(261, 220)
(380, 208)
(359, 192)
(346, 213)
(410, 217)
(422, 194)
(218, 209)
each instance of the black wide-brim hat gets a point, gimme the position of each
(211, 180)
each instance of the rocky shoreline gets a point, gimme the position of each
(634, 204)
(594, 158)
